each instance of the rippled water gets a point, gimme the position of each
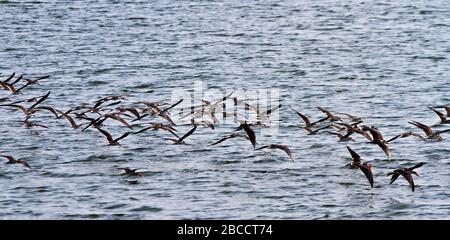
(385, 61)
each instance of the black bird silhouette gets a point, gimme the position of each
(110, 139)
(180, 140)
(446, 108)
(108, 98)
(130, 172)
(134, 111)
(41, 99)
(156, 126)
(379, 140)
(10, 86)
(330, 115)
(12, 160)
(29, 124)
(355, 129)
(230, 136)
(97, 109)
(250, 133)
(441, 116)
(69, 119)
(28, 112)
(17, 80)
(278, 146)
(170, 107)
(265, 115)
(306, 120)
(356, 159)
(311, 131)
(404, 135)
(115, 116)
(36, 81)
(342, 137)
(352, 117)
(10, 77)
(366, 168)
(154, 109)
(406, 173)
(430, 134)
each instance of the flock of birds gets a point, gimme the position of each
(110, 108)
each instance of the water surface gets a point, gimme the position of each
(385, 61)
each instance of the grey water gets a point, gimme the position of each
(383, 60)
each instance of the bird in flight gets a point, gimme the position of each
(379, 140)
(110, 139)
(230, 136)
(429, 133)
(278, 146)
(366, 168)
(405, 135)
(441, 116)
(307, 121)
(331, 116)
(181, 140)
(131, 172)
(406, 173)
(12, 160)
(250, 133)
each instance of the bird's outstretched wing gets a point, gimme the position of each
(107, 135)
(367, 170)
(188, 133)
(355, 156)
(303, 117)
(250, 133)
(394, 177)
